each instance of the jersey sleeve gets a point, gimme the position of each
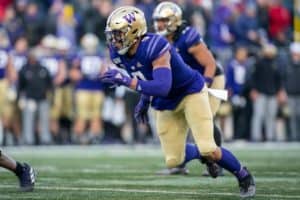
(192, 37)
(156, 47)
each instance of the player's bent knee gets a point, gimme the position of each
(173, 162)
(215, 155)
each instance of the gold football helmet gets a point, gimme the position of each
(124, 26)
(170, 14)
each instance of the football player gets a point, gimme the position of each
(57, 68)
(17, 59)
(4, 69)
(89, 95)
(168, 22)
(24, 172)
(178, 93)
(65, 53)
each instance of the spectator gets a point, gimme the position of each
(267, 83)
(247, 28)
(66, 25)
(279, 20)
(4, 4)
(21, 6)
(147, 6)
(52, 17)
(13, 25)
(104, 9)
(33, 24)
(33, 86)
(262, 12)
(221, 32)
(292, 85)
(236, 79)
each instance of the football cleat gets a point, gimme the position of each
(213, 169)
(27, 178)
(220, 172)
(247, 186)
(174, 171)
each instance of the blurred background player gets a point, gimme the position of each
(18, 58)
(24, 172)
(57, 67)
(4, 72)
(64, 102)
(89, 96)
(189, 44)
(179, 93)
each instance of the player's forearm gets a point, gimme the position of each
(210, 70)
(159, 86)
(209, 66)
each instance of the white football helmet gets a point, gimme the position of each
(63, 44)
(124, 26)
(169, 13)
(49, 41)
(89, 42)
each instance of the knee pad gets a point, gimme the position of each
(173, 162)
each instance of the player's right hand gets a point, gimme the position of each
(141, 109)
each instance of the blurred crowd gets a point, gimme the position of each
(52, 52)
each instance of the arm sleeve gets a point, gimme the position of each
(159, 86)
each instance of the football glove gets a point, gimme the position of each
(115, 77)
(141, 109)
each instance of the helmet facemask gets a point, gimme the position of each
(169, 27)
(117, 39)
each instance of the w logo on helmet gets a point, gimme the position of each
(130, 17)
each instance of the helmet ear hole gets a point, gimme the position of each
(134, 31)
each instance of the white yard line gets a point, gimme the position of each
(148, 148)
(199, 193)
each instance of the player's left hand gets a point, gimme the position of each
(114, 76)
(141, 109)
(208, 81)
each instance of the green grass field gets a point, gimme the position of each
(124, 172)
